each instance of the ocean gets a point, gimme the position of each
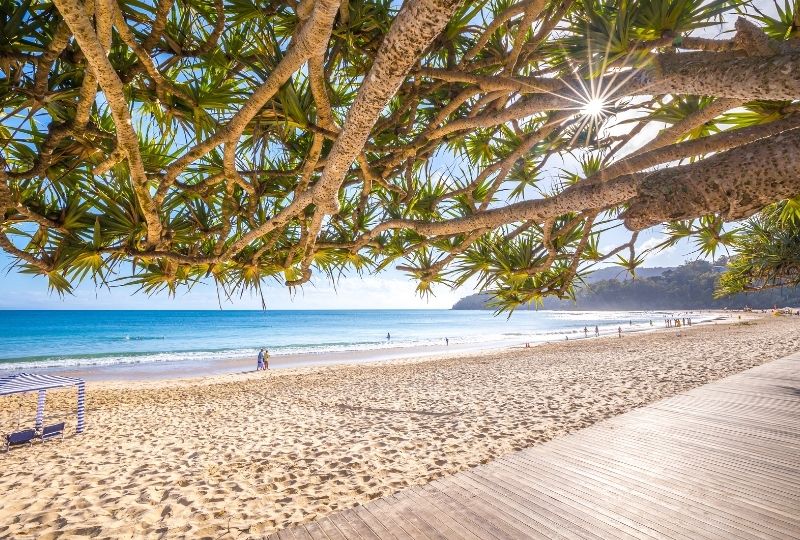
(70, 339)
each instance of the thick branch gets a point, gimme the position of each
(696, 147)
(81, 27)
(748, 78)
(414, 29)
(736, 183)
(312, 37)
(693, 121)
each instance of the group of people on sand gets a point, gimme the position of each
(263, 360)
(677, 323)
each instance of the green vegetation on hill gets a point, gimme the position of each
(689, 286)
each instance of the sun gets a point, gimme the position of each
(594, 107)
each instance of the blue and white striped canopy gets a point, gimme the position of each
(31, 382)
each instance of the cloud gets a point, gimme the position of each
(653, 242)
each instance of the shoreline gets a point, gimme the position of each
(245, 454)
(210, 368)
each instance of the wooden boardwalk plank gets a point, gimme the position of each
(665, 501)
(502, 518)
(669, 480)
(599, 504)
(301, 533)
(397, 518)
(520, 512)
(395, 529)
(456, 516)
(575, 505)
(377, 526)
(714, 467)
(420, 508)
(623, 496)
(364, 531)
(578, 522)
(330, 529)
(691, 454)
(536, 504)
(721, 461)
(477, 526)
(316, 531)
(344, 526)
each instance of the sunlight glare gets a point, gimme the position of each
(593, 107)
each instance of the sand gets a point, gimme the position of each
(239, 456)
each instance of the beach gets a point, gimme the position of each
(243, 454)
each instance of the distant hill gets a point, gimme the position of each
(620, 274)
(689, 286)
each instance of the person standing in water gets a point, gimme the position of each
(447, 341)
(596, 331)
(619, 329)
(388, 336)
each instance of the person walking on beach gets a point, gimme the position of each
(619, 329)
(596, 331)
(260, 364)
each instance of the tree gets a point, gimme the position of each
(767, 253)
(160, 143)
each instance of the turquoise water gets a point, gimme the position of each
(30, 339)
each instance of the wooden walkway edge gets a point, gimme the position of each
(719, 461)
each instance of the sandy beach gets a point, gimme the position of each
(240, 455)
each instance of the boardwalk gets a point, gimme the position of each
(719, 461)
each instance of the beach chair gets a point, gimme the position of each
(18, 438)
(53, 431)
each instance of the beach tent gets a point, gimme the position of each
(30, 382)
